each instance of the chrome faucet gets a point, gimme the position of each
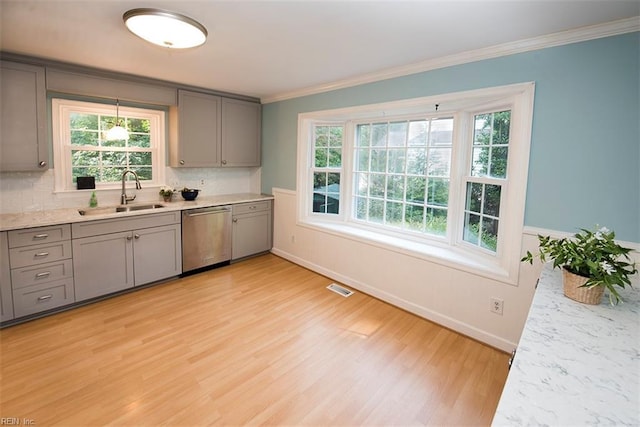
(123, 197)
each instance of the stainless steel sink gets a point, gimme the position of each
(118, 209)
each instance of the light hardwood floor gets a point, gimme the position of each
(260, 342)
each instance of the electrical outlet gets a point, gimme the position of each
(497, 305)
(202, 182)
(293, 238)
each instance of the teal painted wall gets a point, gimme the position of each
(585, 150)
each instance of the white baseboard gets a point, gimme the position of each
(446, 321)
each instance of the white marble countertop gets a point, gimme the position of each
(17, 221)
(576, 364)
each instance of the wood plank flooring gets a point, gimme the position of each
(261, 342)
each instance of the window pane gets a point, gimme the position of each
(120, 143)
(393, 214)
(84, 158)
(377, 185)
(418, 133)
(438, 193)
(82, 121)
(482, 129)
(84, 137)
(139, 125)
(379, 135)
(335, 136)
(474, 197)
(139, 140)
(361, 208)
(436, 221)
(397, 134)
(361, 184)
(492, 200)
(416, 161)
(414, 217)
(84, 171)
(319, 202)
(335, 157)
(498, 162)
(471, 228)
(480, 162)
(416, 188)
(379, 160)
(362, 160)
(489, 235)
(111, 174)
(140, 158)
(144, 173)
(395, 187)
(114, 158)
(321, 136)
(321, 157)
(376, 210)
(441, 132)
(501, 125)
(364, 134)
(319, 181)
(439, 162)
(396, 161)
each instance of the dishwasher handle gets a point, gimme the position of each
(207, 211)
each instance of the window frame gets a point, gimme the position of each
(452, 250)
(61, 108)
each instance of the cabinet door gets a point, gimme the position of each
(23, 118)
(6, 299)
(157, 253)
(195, 130)
(102, 264)
(251, 234)
(240, 124)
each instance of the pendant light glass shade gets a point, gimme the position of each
(164, 28)
(117, 132)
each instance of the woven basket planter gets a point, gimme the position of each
(572, 289)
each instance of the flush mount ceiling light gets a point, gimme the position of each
(165, 28)
(117, 132)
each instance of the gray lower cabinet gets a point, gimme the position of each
(41, 269)
(6, 299)
(23, 118)
(117, 254)
(252, 229)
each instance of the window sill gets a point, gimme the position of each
(456, 258)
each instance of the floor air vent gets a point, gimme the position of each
(340, 290)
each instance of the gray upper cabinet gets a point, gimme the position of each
(212, 131)
(23, 136)
(195, 131)
(241, 123)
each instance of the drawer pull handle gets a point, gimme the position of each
(41, 254)
(43, 274)
(45, 297)
(40, 236)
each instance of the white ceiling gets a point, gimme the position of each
(268, 48)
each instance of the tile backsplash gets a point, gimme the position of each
(34, 191)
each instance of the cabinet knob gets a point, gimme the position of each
(42, 164)
(182, 162)
(137, 236)
(129, 237)
(235, 219)
(224, 162)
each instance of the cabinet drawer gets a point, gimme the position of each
(108, 226)
(39, 254)
(41, 273)
(34, 236)
(34, 299)
(244, 208)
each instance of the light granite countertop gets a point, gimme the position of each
(17, 221)
(576, 364)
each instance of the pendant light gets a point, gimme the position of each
(117, 132)
(165, 28)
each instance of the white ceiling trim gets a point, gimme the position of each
(592, 32)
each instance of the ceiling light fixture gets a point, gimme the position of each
(165, 28)
(117, 133)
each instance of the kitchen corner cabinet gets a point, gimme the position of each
(116, 254)
(252, 229)
(212, 131)
(241, 127)
(23, 118)
(6, 300)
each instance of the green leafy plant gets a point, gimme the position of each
(591, 254)
(166, 191)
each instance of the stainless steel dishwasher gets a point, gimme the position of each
(206, 237)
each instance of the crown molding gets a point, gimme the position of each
(591, 32)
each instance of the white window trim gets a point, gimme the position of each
(453, 251)
(61, 108)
